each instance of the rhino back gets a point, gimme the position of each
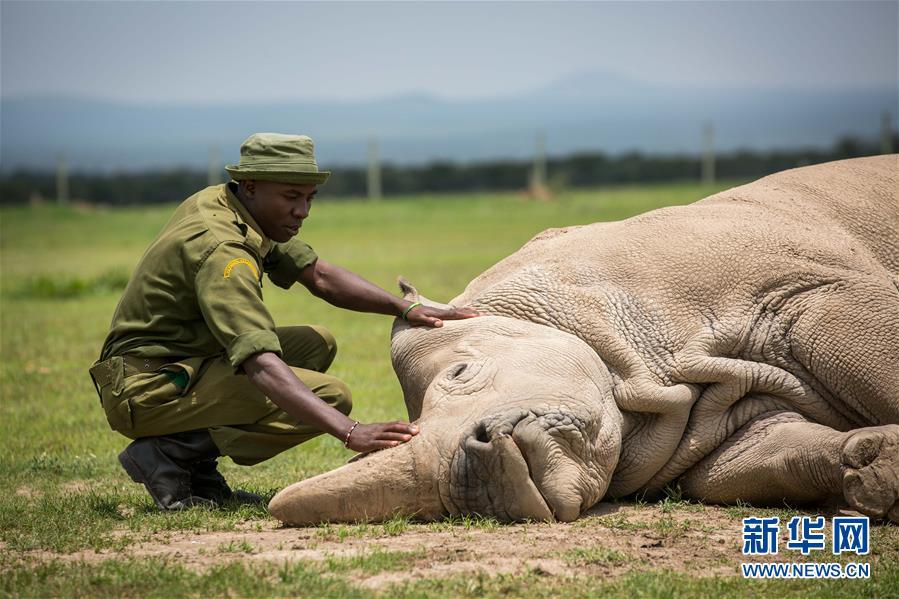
(723, 255)
(860, 195)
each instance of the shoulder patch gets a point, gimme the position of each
(230, 266)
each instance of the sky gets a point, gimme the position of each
(224, 52)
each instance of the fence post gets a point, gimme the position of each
(374, 171)
(214, 172)
(886, 134)
(708, 154)
(538, 172)
(62, 179)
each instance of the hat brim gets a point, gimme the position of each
(295, 177)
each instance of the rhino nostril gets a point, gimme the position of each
(480, 433)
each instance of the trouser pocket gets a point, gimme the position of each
(162, 400)
(182, 373)
(109, 381)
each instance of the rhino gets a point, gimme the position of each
(744, 348)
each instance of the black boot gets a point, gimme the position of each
(207, 482)
(163, 466)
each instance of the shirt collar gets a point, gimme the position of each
(265, 244)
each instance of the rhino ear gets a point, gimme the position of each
(411, 294)
(408, 289)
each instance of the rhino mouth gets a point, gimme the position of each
(516, 469)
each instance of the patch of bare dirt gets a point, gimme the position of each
(611, 540)
(77, 486)
(72, 486)
(27, 492)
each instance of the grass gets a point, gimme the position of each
(67, 287)
(641, 584)
(233, 546)
(397, 525)
(61, 272)
(466, 522)
(155, 577)
(373, 562)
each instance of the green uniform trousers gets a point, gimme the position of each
(205, 393)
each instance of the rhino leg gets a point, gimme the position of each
(781, 457)
(871, 471)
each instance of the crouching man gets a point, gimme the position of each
(194, 368)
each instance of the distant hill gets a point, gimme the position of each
(591, 111)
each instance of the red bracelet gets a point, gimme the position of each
(346, 442)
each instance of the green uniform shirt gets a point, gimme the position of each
(197, 290)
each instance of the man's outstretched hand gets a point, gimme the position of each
(381, 435)
(434, 317)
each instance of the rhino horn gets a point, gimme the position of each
(381, 485)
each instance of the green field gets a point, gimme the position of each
(73, 524)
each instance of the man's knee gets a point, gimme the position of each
(311, 347)
(330, 346)
(338, 395)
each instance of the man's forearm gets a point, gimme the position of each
(278, 382)
(345, 289)
(275, 378)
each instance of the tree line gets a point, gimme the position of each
(584, 169)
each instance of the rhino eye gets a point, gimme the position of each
(459, 369)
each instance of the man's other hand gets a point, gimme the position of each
(380, 435)
(434, 317)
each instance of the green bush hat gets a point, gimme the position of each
(278, 157)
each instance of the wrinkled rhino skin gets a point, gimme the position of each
(745, 347)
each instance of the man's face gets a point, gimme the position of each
(279, 208)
